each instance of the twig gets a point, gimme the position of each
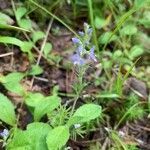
(6, 54)
(42, 48)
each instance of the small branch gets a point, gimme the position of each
(42, 49)
(6, 54)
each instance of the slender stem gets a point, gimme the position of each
(93, 26)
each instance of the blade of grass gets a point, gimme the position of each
(4, 26)
(91, 15)
(119, 24)
(55, 17)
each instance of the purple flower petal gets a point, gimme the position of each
(75, 40)
(5, 133)
(81, 33)
(77, 60)
(80, 49)
(92, 55)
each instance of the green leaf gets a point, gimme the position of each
(129, 29)
(57, 137)
(140, 3)
(37, 133)
(103, 39)
(20, 12)
(33, 99)
(37, 35)
(34, 138)
(85, 113)
(20, 141)
(12, 82)
(5, 19)
(47, 105)
(107, 95)
(35, 70)
(7, 111)
(25, 23)
(11, 40)
(47, 49)
(26, 47)
(99, 22)
(117, 54)
(135, 51)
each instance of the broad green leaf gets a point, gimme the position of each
(33, 99)
(45, 106)
(12, 82)
(37, 35)
(129, 29)
(5, 19)
(35, 70)
(7, 111)
(135, 51)
(37, 133)
(34, 138)
(47, 49)
(26, 46)
(85, 113)
(20, 12)
(57, 137)
(20, 141)
(25, 23)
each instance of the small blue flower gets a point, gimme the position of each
(86, 26)
(92, 55)
(75, 40)
(77, 60)
(81, 33)
(80, 49)
(4, 134)
(89, 31)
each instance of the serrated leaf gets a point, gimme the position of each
(12, 82)
(47, 49)
(7, 111)
(57, 137)
(35, 70)
(20, 12)
(37, 35)
(33, 99)
(85, 113)
(45, 106)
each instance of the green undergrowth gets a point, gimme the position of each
(120, 35)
